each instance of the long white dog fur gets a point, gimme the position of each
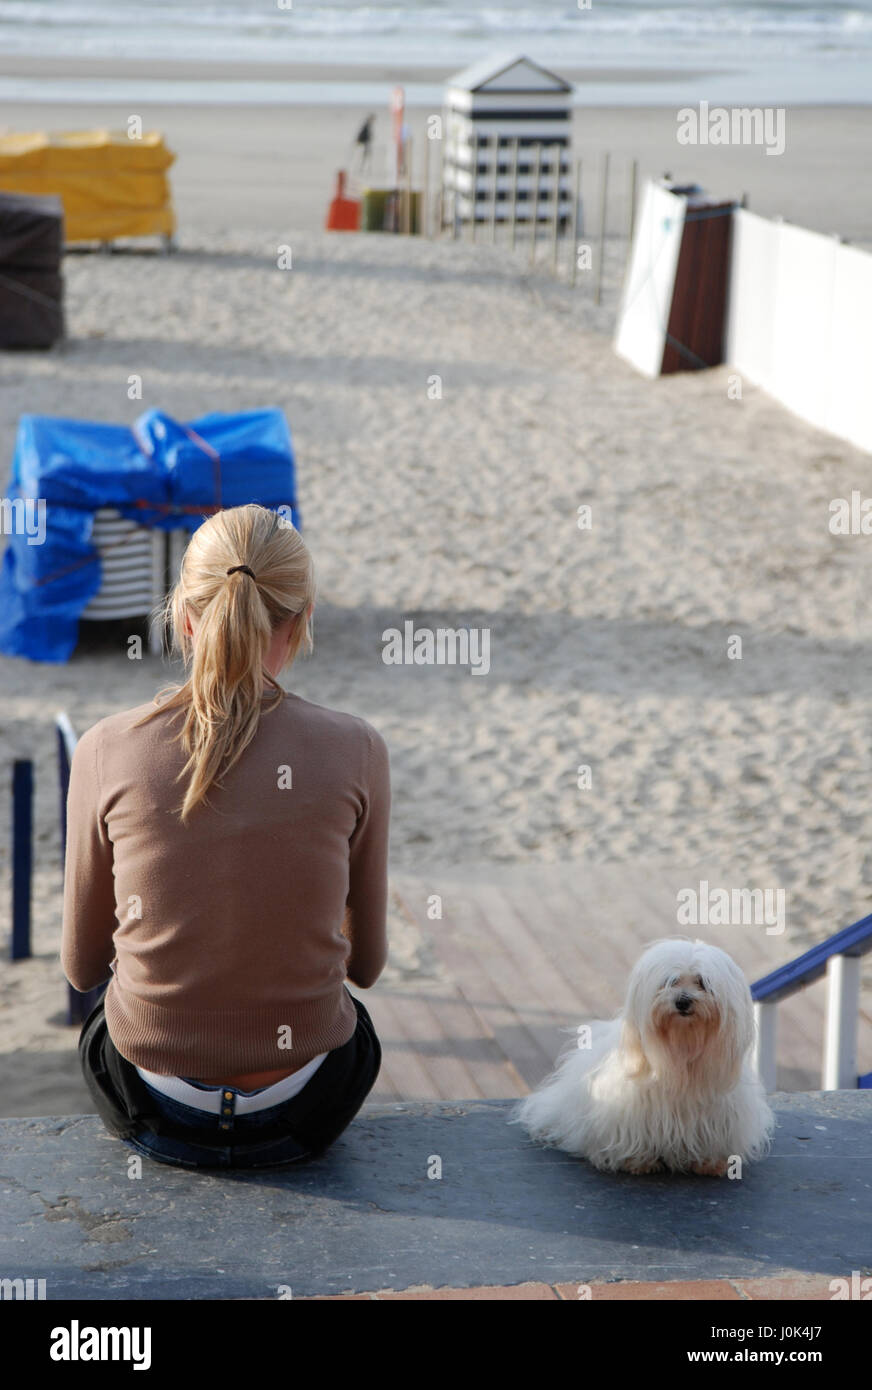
(667, 1083)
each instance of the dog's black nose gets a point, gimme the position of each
(684, 1003)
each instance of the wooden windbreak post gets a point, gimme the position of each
(425, 219)
(576, 194)
(631, 219)
(455, 221)
(22, 857)
(475, 144)
(496, 175)
(441, 194)
(406, 201)
(603, 211)
(399, 220)
(534, 219)
(555, 229)
(634, 182)
(514, 190)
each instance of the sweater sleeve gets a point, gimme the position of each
(89, 887)
(366, 906)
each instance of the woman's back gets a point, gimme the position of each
(233, 932)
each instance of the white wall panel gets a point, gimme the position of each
(799, 323)
(647, 298)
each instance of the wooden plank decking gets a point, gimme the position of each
(524, 953)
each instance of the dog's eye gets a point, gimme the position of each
(701, 982)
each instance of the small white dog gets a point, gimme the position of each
(667, 1083)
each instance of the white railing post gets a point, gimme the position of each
(764, 1045)
(840, 1044)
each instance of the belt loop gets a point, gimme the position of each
(228, 1109)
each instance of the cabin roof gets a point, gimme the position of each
(508, 72)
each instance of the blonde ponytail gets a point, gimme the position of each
(245, 572)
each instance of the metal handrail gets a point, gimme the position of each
(838, 957)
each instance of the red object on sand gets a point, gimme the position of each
(343, 214)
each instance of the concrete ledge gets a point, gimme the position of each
(804, 1287)
(368, 1217)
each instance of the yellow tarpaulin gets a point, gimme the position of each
(111, 186)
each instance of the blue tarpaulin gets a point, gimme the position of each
(159, 473)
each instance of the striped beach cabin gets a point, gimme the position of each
(488, 107)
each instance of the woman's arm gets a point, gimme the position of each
(365, 922)
(89, 887)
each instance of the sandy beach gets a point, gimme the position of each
(270, 170)
(608, 646)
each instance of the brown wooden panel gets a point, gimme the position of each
(695, 327)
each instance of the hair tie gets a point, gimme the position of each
(245, 570)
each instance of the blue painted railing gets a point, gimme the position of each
(839, 959)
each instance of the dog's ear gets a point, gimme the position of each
(636, 1063)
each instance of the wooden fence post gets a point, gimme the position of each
(514, 208)
(603, 213)
(576, 194)
(555, 230)
(496, 175)
(474, 183)
(424, 210)
(534, 219)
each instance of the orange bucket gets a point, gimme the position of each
(343, 214)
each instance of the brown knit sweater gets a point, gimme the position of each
(231, 937)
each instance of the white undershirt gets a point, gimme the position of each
(246, 1101)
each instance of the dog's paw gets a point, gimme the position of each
(643, 1165)
(711, 1168)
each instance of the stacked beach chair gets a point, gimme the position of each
(133, 568)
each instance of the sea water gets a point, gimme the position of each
(629, 51)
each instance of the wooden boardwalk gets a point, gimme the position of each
(524, 953)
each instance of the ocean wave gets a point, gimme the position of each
(784, 18)
(347, 31)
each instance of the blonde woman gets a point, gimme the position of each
(226, 871)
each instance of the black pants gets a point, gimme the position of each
(290, 1132)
